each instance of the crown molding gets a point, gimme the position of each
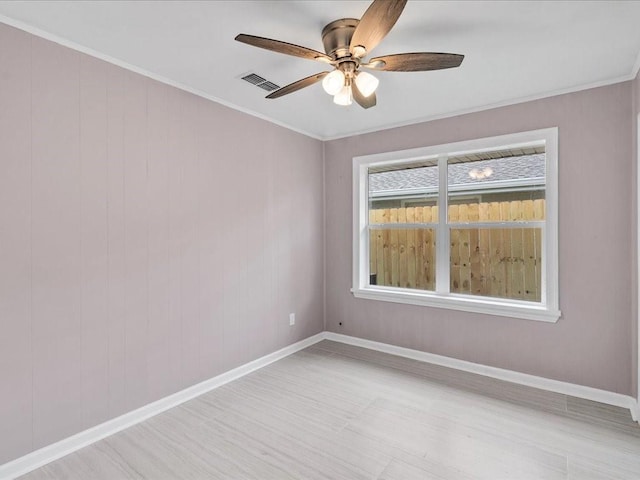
(145, 73)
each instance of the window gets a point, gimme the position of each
(469, 226)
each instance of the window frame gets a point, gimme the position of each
(547, 310)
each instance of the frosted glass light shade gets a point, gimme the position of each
(343, 97)
(478, 174)
(366, 83)
(334, 82)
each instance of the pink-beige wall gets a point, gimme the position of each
(149, 240)
(636, 93)
(634, 222)
(590, 345)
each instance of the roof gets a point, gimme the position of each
(526, 169)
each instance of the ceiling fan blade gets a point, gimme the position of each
(295, 86)
(376, 23)
(283, 47)
(414, 62)
(364, 102)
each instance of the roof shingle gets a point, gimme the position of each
(524, 167)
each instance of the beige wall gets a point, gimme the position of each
(149, 240)
(590, 345)
(634, 223)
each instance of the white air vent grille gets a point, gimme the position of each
(253, 79)
(258, 81)
(269, 86)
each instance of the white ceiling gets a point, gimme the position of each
(513, 51)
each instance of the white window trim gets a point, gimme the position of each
(547, 310)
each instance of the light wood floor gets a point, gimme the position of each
(335, 411)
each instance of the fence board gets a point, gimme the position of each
(517, 256)
(529, 253)
(432, 246)
(420, 250)
(505, 212)
(539, 209)
(380, 250)
(372, 244)
(537, 241)
(484, 250)
(386, 216)
(455, 279)
(430, 215)
(527, 210)
(411, 249)
(465, 251)
(403, 266)
(531, 288)
(430, 267)
(395, 254)
(496, 267)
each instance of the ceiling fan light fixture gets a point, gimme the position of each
(346, 42)
(359, 51)
(334, 82)
(478, 174)
(323, 59)
(366, 83)
(343, 97)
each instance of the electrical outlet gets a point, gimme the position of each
(292, 319)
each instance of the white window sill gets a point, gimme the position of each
(465, 303)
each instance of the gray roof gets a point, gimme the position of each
(525, 168)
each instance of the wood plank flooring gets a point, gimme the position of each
(334, 411)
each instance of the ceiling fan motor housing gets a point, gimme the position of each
(336, 37)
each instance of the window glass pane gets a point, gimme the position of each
(497, 262)
(402, 257)
(403, 186)
(503, 189)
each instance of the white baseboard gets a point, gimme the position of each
(580, 391)
(52, 452)
(38, 458)
(635, 410)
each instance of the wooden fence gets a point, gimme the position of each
(495, 262)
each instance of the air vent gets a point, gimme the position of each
(254, 79)
(269, 86)
(258, 81)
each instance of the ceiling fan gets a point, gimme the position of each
(346, 42)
